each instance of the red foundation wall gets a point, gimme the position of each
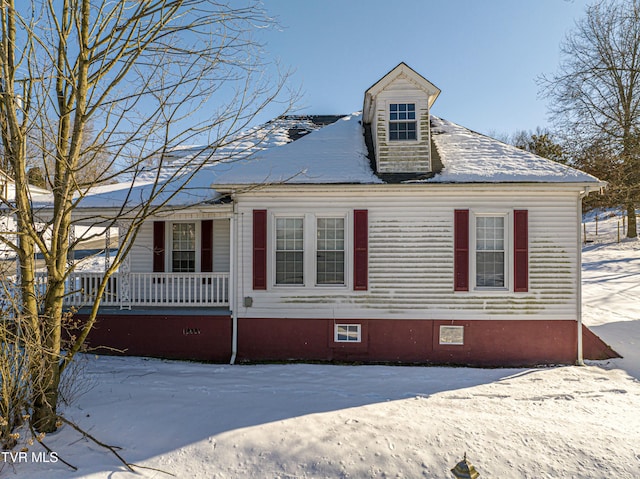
(205, 338)
(208, 338)
(486, 343)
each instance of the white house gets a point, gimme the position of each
(387, 236)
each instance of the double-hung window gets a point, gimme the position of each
(289, 251)
(330, 251)
(490, 252)
(402, 121)
(183, 247)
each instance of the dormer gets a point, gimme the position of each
(396, 113)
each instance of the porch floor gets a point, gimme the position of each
(160, 311)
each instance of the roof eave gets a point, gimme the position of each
(402, 68)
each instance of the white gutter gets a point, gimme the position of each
(233, 281)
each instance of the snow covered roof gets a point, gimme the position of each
(181, 189)
(470, 157)
(337, 154)
(331, 154)
(274, 133)
(178, 184)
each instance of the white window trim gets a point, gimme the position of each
(508, 251)
(168, 240)
(358, 328)
(310, 226)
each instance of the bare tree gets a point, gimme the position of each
(95, 163)
(143, 75)
(596, 93)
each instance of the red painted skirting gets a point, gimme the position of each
(486, 343)
(595, 347)
(205, 338)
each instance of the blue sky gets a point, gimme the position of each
(485, 55)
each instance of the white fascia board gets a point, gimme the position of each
(464, 189)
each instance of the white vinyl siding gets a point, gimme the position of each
(221, 246)
(402, 155)
(411, 254)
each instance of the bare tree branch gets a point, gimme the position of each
(596, 93)
(98, 92)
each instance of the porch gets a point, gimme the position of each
(129, 290)
(179, 262)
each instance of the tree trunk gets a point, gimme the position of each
(45, 401)
(41, 340)
(45, 392)
(59, 70)
(632, 230)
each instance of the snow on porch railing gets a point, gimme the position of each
(147, 289)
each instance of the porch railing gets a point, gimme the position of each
(179, 289)
(147, 289)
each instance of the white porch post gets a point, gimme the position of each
(124, 277)
(233, 279)
(107, 252)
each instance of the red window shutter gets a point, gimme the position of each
(259, 249)
(461, 250)
(158, 247)
(206, 246)
(360, 250)
(521, 251)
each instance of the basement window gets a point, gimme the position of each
(402, 121)
(347, 333)
(452, 335)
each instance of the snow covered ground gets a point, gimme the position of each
(322, 421)
(611, 288)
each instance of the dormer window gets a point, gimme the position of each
(402, 121)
